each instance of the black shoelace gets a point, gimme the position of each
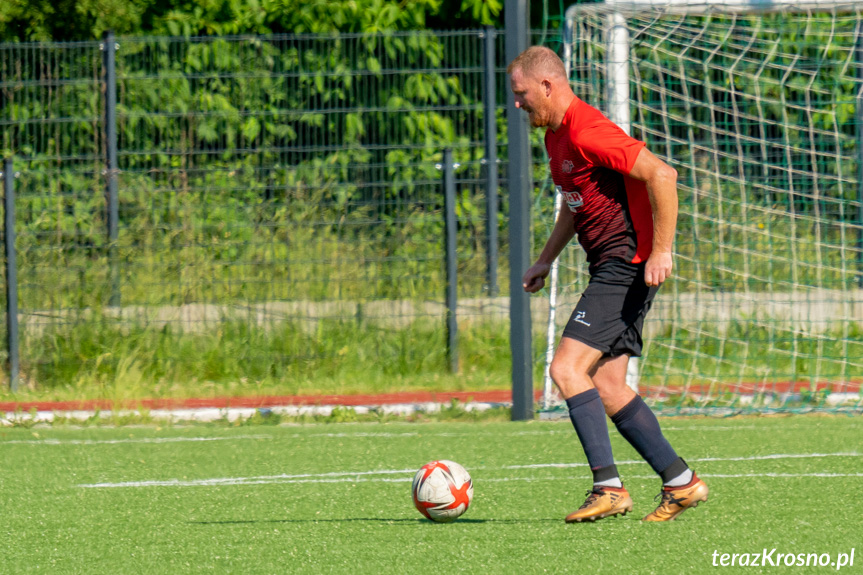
(592, 494)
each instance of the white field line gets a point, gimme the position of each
(49, 441)
(713, 475)
(367, 476)
(567, 430)
(339, 435)
(262, 481)
(54, 441)
(745, 458)
(332, 477)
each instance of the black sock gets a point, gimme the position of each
(588, 418)
(639, 426)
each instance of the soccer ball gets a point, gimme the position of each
(442, 490)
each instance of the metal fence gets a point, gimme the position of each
(282, 188)
(272, 208)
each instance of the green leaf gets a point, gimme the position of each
(251, 128)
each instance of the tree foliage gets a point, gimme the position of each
(292, 158)
(59, 20)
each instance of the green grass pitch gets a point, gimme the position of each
(334, 498)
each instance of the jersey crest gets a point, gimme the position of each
(573, 199)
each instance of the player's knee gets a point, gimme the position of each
(608, 389)
(559, 372)
(614, 394)
(568, 378)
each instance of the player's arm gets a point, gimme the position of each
(661, 182)
(564, 230)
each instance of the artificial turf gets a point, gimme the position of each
(328, 498)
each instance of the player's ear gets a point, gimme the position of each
(546, 86)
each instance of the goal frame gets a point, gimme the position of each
(618, 106)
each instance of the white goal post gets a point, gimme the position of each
(759, 106)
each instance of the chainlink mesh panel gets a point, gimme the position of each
(760, 114)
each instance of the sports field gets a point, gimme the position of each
(335, 498)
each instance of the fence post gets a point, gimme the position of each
(109, 47)
(490, 160)
(519, 189)
(11, 273)
(451, 273)
(859, 58)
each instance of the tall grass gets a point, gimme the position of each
(232, 357)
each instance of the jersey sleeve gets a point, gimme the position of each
(604, 143)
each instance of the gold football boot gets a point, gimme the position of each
(676, 500)
(602, 502)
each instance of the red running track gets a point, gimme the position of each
(492, 396)
(495, 396)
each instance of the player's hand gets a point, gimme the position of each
(658, 268)
(534, 278)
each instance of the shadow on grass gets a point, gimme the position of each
(418, 520)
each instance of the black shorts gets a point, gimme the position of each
(610, 314)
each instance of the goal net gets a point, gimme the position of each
(759, 107)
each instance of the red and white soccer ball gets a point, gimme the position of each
(442, 490)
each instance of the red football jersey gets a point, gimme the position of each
(590, 159)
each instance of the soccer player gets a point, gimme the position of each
(622, 205)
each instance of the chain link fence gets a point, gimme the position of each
(251, 207)
(271, 209)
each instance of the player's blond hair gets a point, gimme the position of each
(538, 61)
